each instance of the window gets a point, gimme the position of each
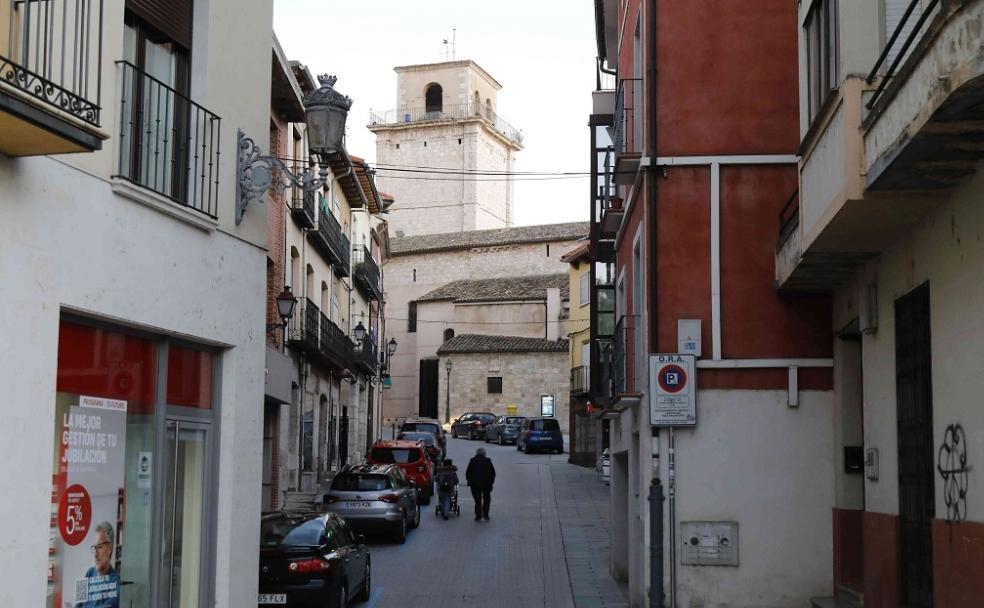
(584, 293)
(820, 33)
(395, 455)
(448, 334)
(495, 385)
(412, 317)
(545, 425)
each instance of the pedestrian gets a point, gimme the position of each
(480, 475)
(446, 477)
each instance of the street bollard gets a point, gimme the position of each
(656, 595)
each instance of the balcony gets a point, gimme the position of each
(50, 76)
(335, 347)
(448, 113)
(366, 356)
(302, 206)
(168, 143)
(926, 116)
(627, 133)
(332, 243)
(580, 380)
(304, 329)
(368, 279)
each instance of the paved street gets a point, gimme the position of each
(533, 552)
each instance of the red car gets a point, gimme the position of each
(412, 457)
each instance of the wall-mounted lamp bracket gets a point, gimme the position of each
(257, 173)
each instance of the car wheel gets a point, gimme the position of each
(366, 591)
(400, 534)
(501, 442)
(416, 517)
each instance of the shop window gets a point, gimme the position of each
(495, 385)
(189, 377)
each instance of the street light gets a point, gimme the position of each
(325, 113)
(447, 399)
(285, 308)
(391, 347)
(360, 333)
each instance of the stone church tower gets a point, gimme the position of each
(445, 124)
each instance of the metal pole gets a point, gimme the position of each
(447, 399)
(656, 594)
(672, 482)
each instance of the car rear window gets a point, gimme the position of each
(425, 437)
(545, 425)
(486, 417)
(396, 455)
(357, 483)
(291, 532)
(514, 420)
(421, 426)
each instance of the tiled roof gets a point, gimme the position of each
(499, 290)
(450, 241)
(475, 343)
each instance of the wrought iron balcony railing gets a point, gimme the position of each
(168, 143)
(448, 112)
(302, 204)
(625, 358)
(336, 348)
(368, 279)
(332, 243)
(912, 25)
(366, 356)
(601, 371)
(303, 330)
(628, 97)
(580, 379)
(52, 50)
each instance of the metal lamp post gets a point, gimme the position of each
(325, 113)
(447, 399)
(285, 308)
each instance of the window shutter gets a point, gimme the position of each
(171, 17)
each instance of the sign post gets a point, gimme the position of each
(672, 390)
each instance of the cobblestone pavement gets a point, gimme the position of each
(516, 560)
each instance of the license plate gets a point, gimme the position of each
(358, 504)
(272, 598)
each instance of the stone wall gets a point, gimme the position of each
(525, 376)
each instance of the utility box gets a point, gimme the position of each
(688, 337)
(709, 543)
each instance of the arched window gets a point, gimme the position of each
(477, 105)
(309, 292)
(448, 334)
(434, 98)
(295, 271)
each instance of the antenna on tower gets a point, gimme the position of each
(446, 50)
(454, 44)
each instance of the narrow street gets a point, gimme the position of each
(516, 559)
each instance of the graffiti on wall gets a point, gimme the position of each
(951, 462)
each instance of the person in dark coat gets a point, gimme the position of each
(446, 478)
(480, 475)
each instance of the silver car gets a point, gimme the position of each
(375, 498)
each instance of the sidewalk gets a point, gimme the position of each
(582, 506)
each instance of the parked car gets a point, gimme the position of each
(429, 425)
(504, 430)
(311, 559)
(430, 442)
(540, 434)
(411, 456)
(472, 425)
(374, 497)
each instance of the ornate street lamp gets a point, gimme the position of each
(285, 308)
(325, 112)
(360, 333)
(447, 399)
(391, 347)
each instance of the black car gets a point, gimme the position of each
(504, 430)
(472, 425)
(311, 559)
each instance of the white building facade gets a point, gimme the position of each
(133, 304)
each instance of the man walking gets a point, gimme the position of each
(480, 475)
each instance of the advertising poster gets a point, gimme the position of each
(87, 511)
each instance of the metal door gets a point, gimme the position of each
(914, 401)
(428, 388)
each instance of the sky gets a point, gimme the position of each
(541, 51)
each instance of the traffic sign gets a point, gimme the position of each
(672, 390)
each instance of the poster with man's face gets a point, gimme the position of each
(87, 503)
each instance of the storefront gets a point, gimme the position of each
(133, 470)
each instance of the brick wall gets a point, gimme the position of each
(276, 227)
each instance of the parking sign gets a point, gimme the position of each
(672, 390)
